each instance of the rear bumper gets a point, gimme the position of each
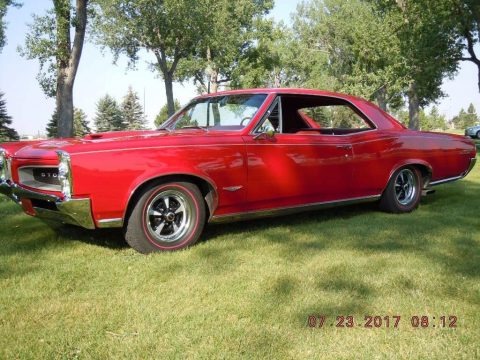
(50, 207)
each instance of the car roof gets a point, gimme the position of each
(285, 91)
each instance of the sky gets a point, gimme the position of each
(97, 76)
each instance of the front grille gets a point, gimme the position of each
(42, 178)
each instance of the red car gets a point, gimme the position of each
(230, 156)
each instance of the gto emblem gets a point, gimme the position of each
(48, 175)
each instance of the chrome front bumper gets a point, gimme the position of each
(50, 207)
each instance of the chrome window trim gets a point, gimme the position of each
(275, 102)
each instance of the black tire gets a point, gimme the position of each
(166, 217)
(478, 134)
(403, 191)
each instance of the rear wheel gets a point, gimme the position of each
(478, 135)
(403, 192)
(166, 217)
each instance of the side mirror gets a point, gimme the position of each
(265, 135)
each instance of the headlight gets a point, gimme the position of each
(3, 165)
(65, 174)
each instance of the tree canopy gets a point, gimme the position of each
(4, 4)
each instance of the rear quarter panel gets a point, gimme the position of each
(378, 154)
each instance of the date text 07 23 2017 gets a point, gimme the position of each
(387, 321)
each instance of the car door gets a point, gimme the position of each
(289, 167)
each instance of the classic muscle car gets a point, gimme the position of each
(230, 156)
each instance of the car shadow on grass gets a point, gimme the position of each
(107, 238)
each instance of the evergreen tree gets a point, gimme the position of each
(471, 117)
(6, 132)
(132, 111)
(465, 119)
(80, 123)
(163, 114)
(108, 116)
(52, 126)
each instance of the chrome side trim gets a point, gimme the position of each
(444, 181)
(233, 188)
(291, 210)
(110, 223)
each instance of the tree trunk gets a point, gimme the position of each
(168, 79)
(68, 59)
(381, 98)
(413, 108)
(65, 111)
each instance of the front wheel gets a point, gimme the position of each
(403, 191)
(478, 134)
(166, 217)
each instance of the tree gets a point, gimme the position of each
(108, 116)
(4, 4)
(80, 124)
(132, 111)
(339, 51)
(234, 28)
(52, 126)
(432, 121)
(49, 41)
(466, 13)
(163, 114)
(6, 132)
(429, 48)
(169, 29)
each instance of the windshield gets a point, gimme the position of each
(228, 112)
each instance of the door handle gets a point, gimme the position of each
(344, 147)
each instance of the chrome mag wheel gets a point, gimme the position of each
(168, 216)
(406, 187)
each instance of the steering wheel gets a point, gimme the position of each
(245, 119)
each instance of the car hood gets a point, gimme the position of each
(107, 141)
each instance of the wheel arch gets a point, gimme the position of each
(206, 187)
(423, 166)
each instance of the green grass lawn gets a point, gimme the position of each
(247, 289)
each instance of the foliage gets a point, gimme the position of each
(80, 124)
(466, 119)
(49, 41)
(163, 114)
(466, 14)
(347, 46)
(132, 111)
(230, 42)
(4, 4)
(108, 115)
(52, 126)
(6, 132)
(431, 121)
(72, 293)
(170, 29)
